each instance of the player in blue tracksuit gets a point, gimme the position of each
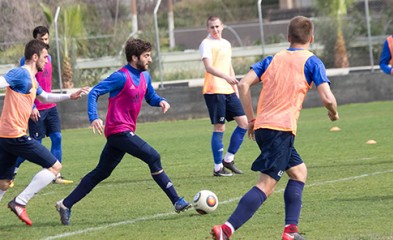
(126, 87)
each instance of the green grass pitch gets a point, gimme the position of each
(348, 196)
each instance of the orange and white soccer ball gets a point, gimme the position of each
(205, 202)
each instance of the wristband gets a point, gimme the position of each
(252, 120)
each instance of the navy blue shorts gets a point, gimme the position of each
(277, 152)
(25, 147)
(223, 107)
(48, 123)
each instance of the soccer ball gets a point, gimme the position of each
(205, 202)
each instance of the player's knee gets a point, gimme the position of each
(155, 162)
(5, 184)
(55, 168)
(55, 137)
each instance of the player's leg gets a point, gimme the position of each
(35, 152)
(137, 147)
(272, 144)
(51, 124)
(216, 105)
(234, 110)
(109, 159)
(7, 165)
(293, 193)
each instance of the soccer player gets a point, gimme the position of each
(126, 87)
(386, 60)
(220, 93)
(44, 119)
(286, 78)
(21, 91)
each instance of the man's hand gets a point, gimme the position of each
(164, 106)
(98, 126)
(35, 115)
(78, 94)
(333, 117)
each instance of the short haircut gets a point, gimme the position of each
(300, 30)
(40, 30)
(212, 18)
(135, 47)
(34, 47)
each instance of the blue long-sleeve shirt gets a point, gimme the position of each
(385, 59)
(114, 84)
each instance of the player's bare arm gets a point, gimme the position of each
(244, 87)
(210, 69)
(328, 100)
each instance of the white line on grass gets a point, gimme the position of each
(156, 216)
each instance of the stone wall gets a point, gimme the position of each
(188, 103)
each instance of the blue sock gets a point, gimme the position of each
(293, 201)
(56, 145)
(166, 185)
(217, 146)
(247, 206)
(236, 139)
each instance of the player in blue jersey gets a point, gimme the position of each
(21, 90)
(127, 88)
(286, 78)
(386, 59)
(44, 119)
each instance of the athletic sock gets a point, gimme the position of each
(217, 146)
(293, 201)
(246, 207)
(166, 185)
(228, 229)
(2, 194)
(56, 145)
(236, 139)
(229, 157)
(39, 181)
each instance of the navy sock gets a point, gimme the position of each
(247, 206)
(236, 139)
(293, 201)
(166, 185)
(217, 147)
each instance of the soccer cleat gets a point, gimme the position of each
(218, 234)
(292, 236)
(181, 205)
(291, 232)
(61, 180)
(231, 166)
(12, 184)
(20, 212)
(222, 173)
(65, 213)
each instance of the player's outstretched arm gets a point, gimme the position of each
(328, 100)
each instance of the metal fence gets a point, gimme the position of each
(365, 27)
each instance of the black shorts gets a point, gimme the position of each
(223, 107)
(277, 152)
(25, 147)
(48, 123)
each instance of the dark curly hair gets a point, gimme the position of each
(135, 47)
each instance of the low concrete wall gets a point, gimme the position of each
(188, 103)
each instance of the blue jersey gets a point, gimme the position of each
(20, 81)
(385, 58)
(314, 69)
(115, 83)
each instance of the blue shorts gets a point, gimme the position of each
(48, 123)
(277, 152)
(223, 107)
(25, 147)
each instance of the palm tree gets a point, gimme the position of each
(70, 26)
(337, 9)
